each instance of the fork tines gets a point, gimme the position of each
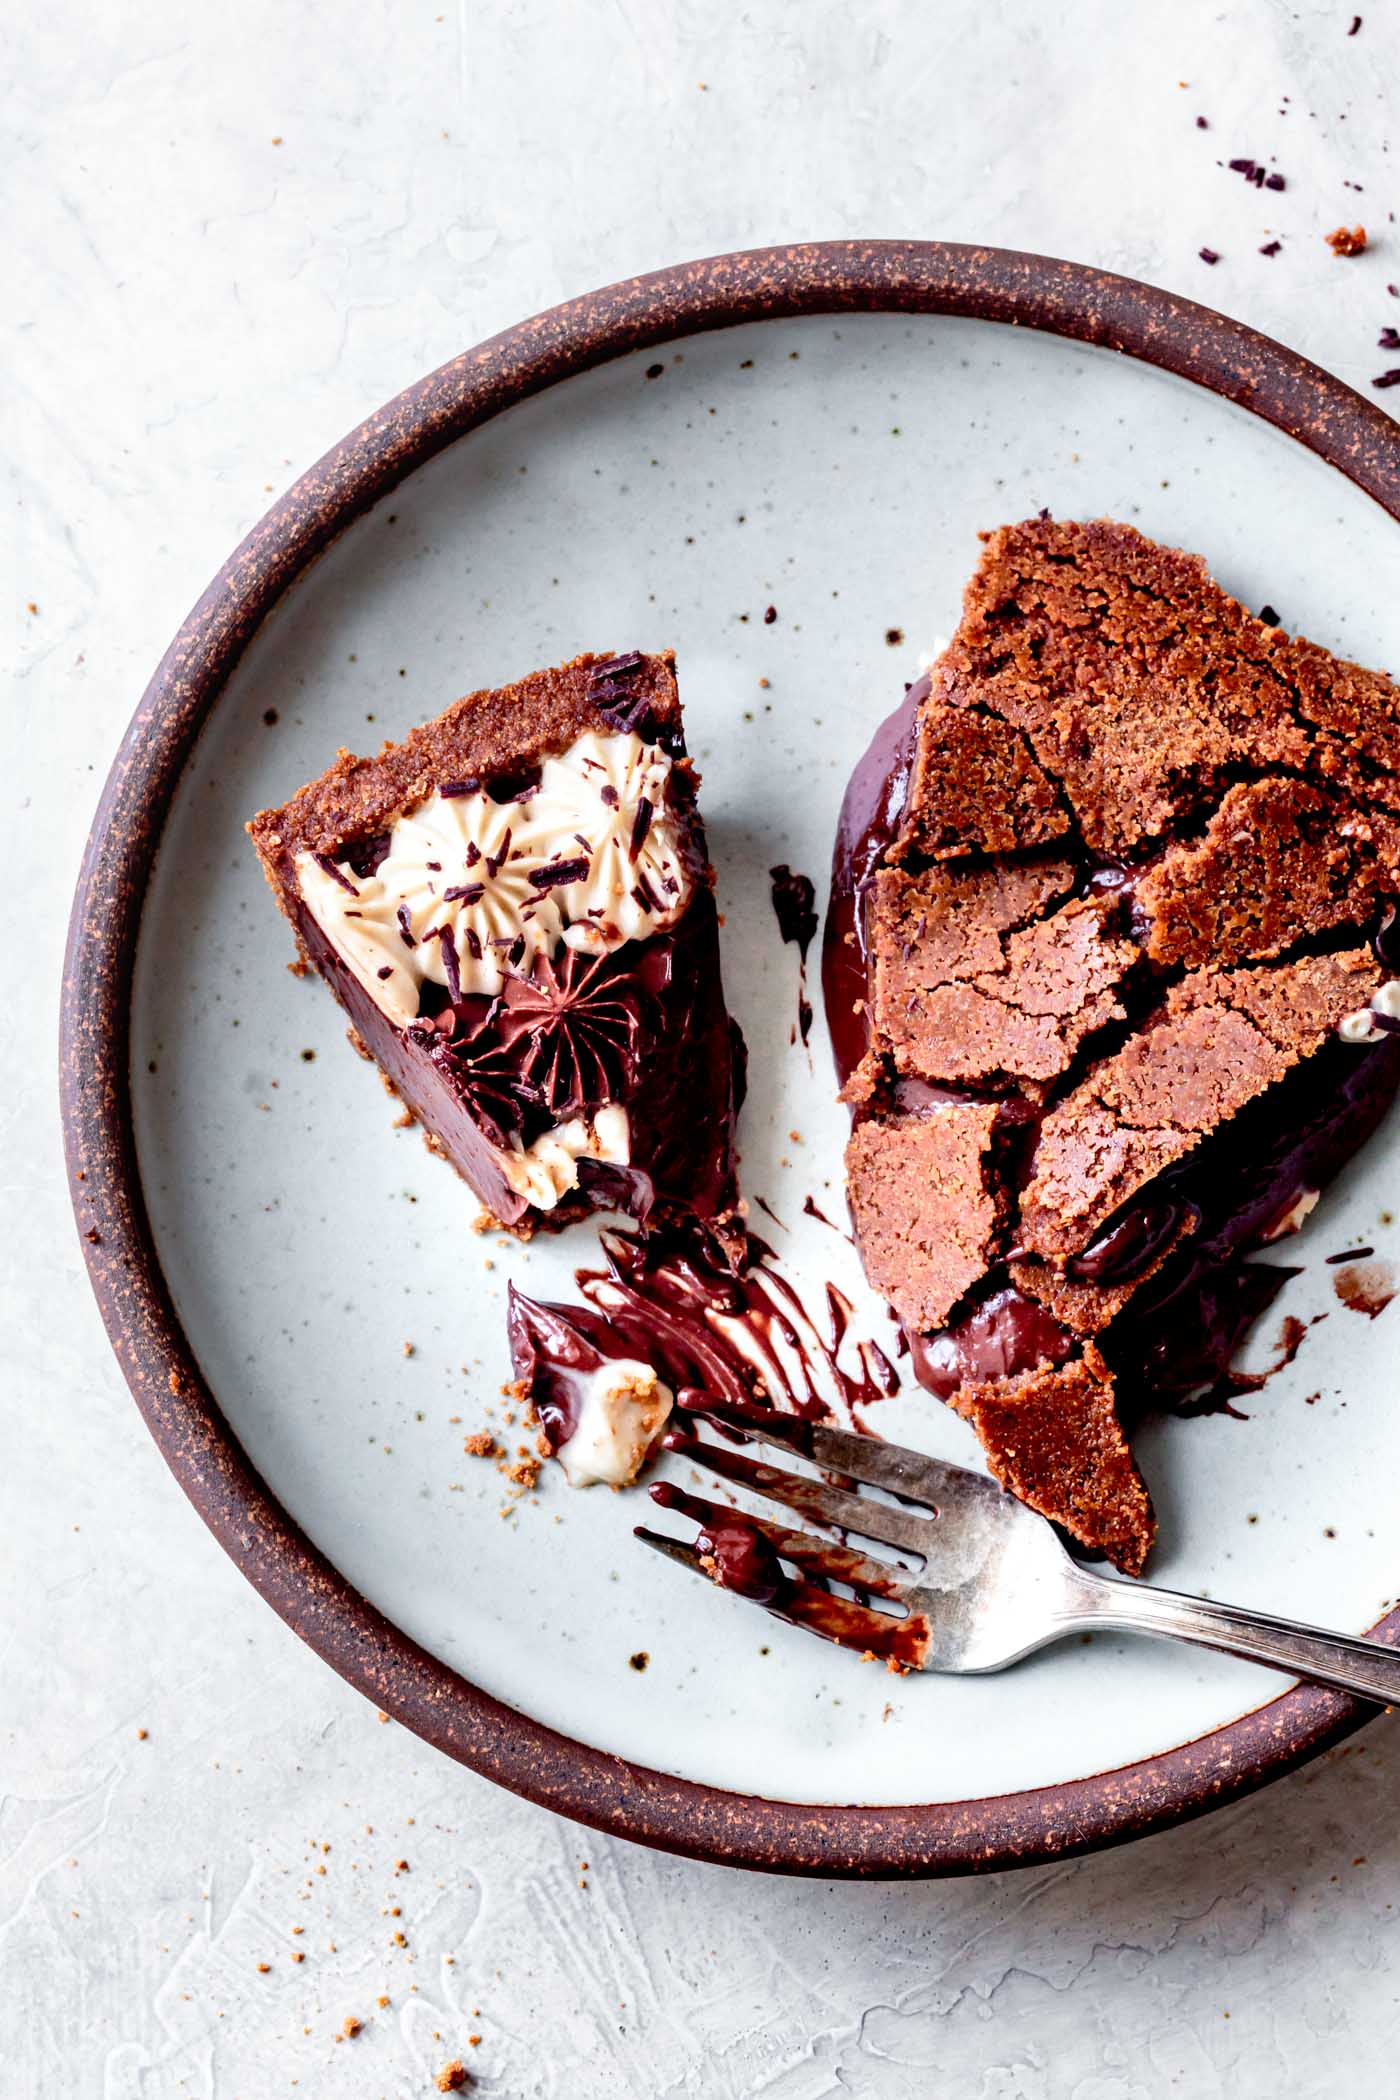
(746, 1553)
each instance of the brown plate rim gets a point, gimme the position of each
(594, 1787)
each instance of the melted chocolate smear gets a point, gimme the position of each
(553, 1347)
(672, 1298)
(794, 899)
(1132, 1239)
(733, 1552)
(872, 811)
(1190, 1372)
(1175, 1340)
(1002, 1336)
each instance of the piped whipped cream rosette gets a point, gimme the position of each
(472, 891)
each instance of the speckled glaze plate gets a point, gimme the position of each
(308, 1324)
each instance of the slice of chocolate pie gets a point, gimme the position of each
(515, 908)
(1110, 973)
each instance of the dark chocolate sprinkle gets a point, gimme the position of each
(1247, 168)
(645, 895)
(1209, 255)
(516, 949)
(1390, 339)
(464, 893)
(473, 853)
(1275, 182)
(1355, 25)
(770, 615)
(451, 789)
(559, 872)
(405, 926)
(328, 867)
(385, 970)
(1201, 124)
(641, 825)
(1390, 378)
(617, 668)
(1271, 247)
(1348, 1254)
(1268, 616)
(473, 940)
(450, 963)
(609, 795)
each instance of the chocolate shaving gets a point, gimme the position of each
(464, 893)
(451, 790)
(560, 872)
(1271, 247)
(645, 895)
(641, 825)
(609, 796)
(328, 867)
(1390, 378)
(616, 668)
(1209, 255)
(450, 963)
(1390, 339)
(405, 926)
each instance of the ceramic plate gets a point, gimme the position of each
(334, 1301)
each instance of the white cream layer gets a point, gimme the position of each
(623, 1409)
(546, 1170)
(603, 804)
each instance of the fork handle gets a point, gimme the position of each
(1368, 1668)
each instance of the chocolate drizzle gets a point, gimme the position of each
(703, 1315)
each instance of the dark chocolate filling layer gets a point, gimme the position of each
(681, 1082)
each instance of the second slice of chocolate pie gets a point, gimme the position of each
(1111, 972)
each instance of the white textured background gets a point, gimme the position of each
(233, 232)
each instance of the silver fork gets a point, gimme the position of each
(994, 1582)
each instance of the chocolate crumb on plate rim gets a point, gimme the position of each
(395, 1673)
